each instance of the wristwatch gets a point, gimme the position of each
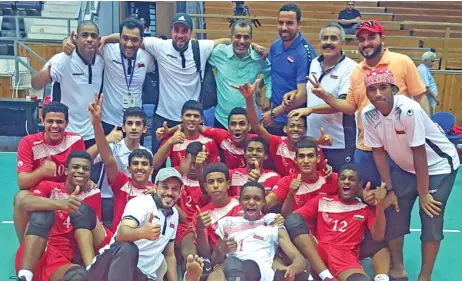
(390, 189)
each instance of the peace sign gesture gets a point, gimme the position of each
(317, 90)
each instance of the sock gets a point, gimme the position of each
(325, 274)
(26, 273)
(381, 277)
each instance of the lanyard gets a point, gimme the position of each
(128, 82)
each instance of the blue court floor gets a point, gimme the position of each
(446, 269)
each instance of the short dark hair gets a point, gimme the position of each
(192, 105)
(352, 167)
(238, 111)
(140, 153)
(241, 23)
(87, 23)
(194, 148)
(82, 154)
(292, 8)
(131, 23)
(216, 167)
(303, 120)
(55, 106)
(260, 140)
(136, 112)
(306, 143)
(252, 184)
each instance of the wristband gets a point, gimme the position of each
(390, 190)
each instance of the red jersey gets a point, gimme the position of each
(124, 189)
(190, 196)
(178, 151)
(234, 156)
(284, 157)
(62, 232)
(229, 210)
(306, 192)
(339, 224)
(239, 177)
(33, 150)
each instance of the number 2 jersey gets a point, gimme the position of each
(339, 224)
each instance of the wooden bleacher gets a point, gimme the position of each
(399, 20)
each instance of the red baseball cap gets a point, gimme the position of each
(371, 26)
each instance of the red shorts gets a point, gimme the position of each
(337, 259)
(52, 259)
(182, 230)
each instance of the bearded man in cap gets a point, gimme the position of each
(427, 164)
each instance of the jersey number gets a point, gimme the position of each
(188, 201)
(59, 170)
(339, 226)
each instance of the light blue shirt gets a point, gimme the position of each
(234, 71)
(429, 82)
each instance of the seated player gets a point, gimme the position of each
(191, 118)
(191, 195)
(143, 248)
(231, 142)
(341, 222)
(63, 219)
(282, 149)
(248, 244)
(140, 166)
(256, 152)
(134, 126)
(43, 156)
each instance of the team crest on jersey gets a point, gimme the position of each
(358, 217)
(258, 237)
(172, 225)
(325, 217)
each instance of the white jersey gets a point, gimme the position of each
(405, 127)
(256, 240)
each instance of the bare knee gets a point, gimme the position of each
(18, 197)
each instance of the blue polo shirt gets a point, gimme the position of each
(289, 67)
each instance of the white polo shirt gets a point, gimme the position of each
(150, 252)
(335, 81)
(121, 153)
(115, 85)
(177, 84)
(405, 127)
(78, 82)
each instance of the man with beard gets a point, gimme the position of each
(331, 73)
(124, 72)
(75, 78)
(371, 44)
(290, 58)
(236, 64)
(427, 167)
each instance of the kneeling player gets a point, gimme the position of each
(249, 243)
(341, 222)
(62, 221)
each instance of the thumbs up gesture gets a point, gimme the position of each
(295, 184)
(380, 193)
(178, 137)
(255, 174)
(72, 203)
(201, 157)
(368, 194)
(150, 230)
(68, 44)
(204, 219)
(324, 139)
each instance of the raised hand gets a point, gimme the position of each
(162, 132)
(150, 231)
(248, 90)
(255, 173)
(68, 45)
(48, 167)
(96, 108)
(368, 194)
(324, 139)
(295, 184)
(178, 137)
(317, 90)
(204, 219)
(300, 112)
(72, 203)
(288, 98)
(201, 157)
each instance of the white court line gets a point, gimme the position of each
(444, 230)
(7, 222)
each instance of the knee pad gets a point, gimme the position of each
(40, 223)
(75, 273)
(295, 226)
(358, 277)
(84, 218)
(234, 269)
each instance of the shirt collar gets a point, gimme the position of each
(166, 212)
(294, 44)
(230, 53)
(84, 62)
(384, 60)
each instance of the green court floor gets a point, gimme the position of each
(446, 269)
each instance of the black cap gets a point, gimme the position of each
(182, 18)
